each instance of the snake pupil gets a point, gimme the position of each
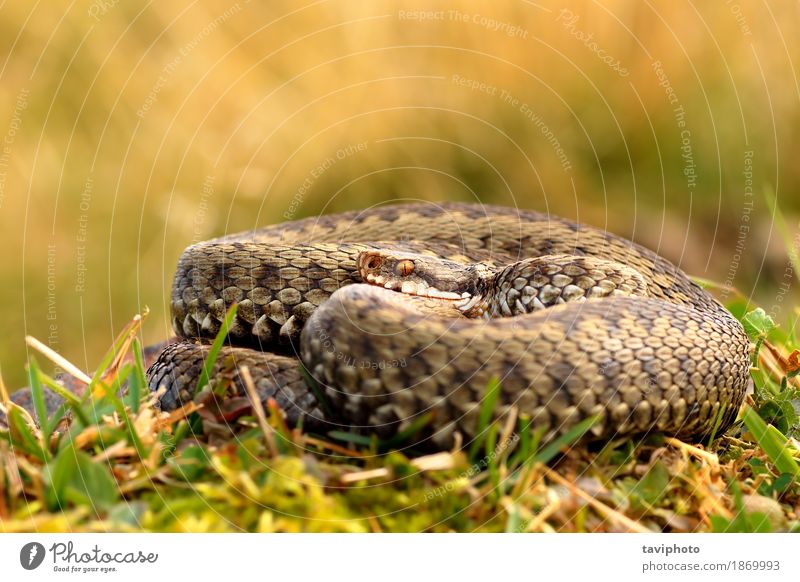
(405, 268)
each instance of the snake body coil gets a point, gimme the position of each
(573, 322)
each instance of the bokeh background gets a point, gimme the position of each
(130, 130)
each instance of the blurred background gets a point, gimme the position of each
(129, 131)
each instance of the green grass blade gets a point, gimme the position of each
(568, 438)
(524, 450)
(514, 521)
(348, 437)
(102, 368)
(406, 434)
(213, 353)
(487, 410)
(491, 460)
(73, 402)
(57, 417)
(717, 422)
(119, 406)
(138, 381)
(22, 436)
(774, 444)
(39, 405)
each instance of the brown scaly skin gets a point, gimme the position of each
(639, 363)
(277, 286)
(656, 353)
(279, 377)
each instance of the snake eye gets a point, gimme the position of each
(404, 267)
(373, 262)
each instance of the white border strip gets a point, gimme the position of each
(400, 557)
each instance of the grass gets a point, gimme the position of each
(122, 465)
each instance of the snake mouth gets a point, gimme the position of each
(418, 289)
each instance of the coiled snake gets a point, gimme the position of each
(572, 320)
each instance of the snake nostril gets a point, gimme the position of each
(373, 262)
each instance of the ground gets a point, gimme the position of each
(123, 465)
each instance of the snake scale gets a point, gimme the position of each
(408, 310)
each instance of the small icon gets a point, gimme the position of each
(31, 555)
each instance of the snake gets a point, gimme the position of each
(408, 318)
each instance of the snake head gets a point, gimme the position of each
(421, 275)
